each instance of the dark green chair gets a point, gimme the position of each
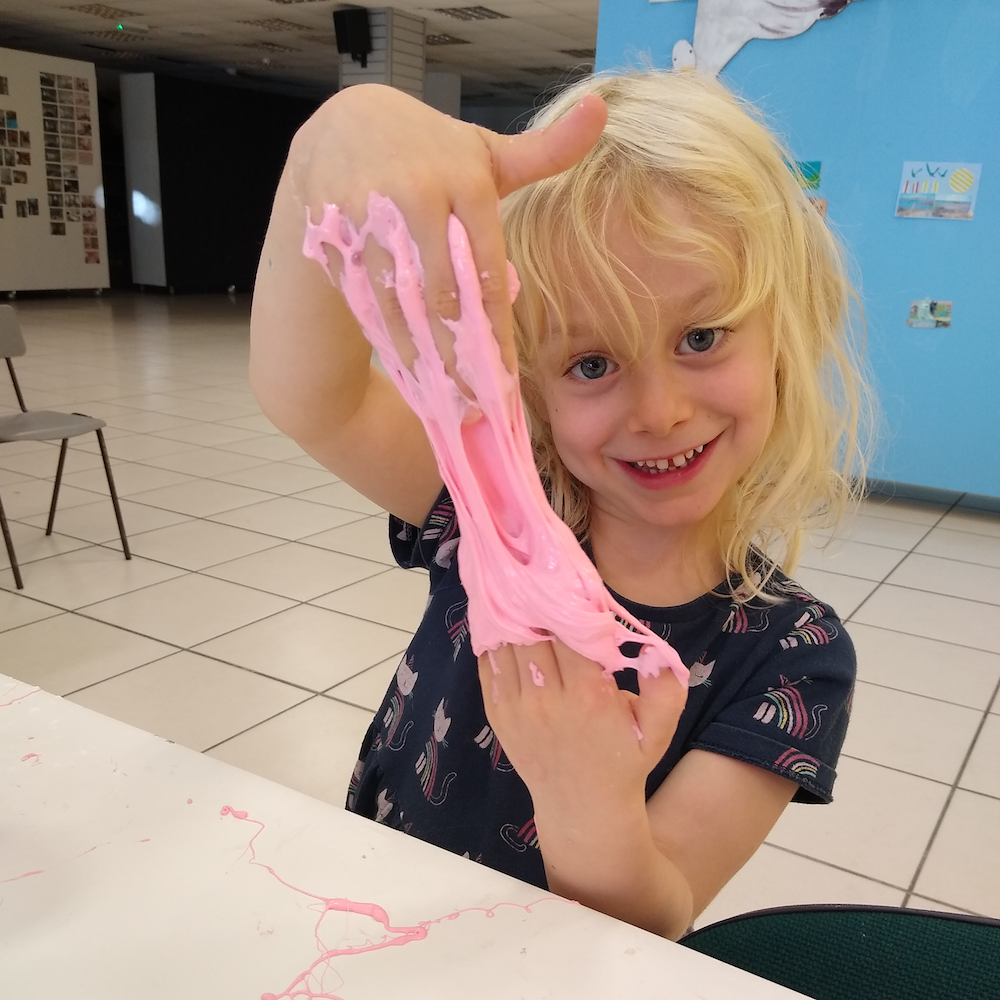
(847, 952)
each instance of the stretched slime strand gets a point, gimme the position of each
(526, 575)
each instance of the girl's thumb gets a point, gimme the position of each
(530, 156)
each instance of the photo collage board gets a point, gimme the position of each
(52, 225)
(68, 141)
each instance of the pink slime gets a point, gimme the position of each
(394, 935)
(526, 576)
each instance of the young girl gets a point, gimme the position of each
(686, 369)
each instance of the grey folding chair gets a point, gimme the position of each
(44, 425)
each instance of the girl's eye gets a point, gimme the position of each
(591, 368)
(699, 341)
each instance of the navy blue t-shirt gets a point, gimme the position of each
(770, 684)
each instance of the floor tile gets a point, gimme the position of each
(885, 531)
(145, 421)
(925, 666)
(8, 478)
(934, 616)
(138, 447)
(188, 610)
(871, 562)
(22, 500)
(921, 903)
(901, 807)
(17, 610)
(367, 539)
(397, 598)
(899, 509)
(258, 423)
(287, 517)
(961, 866)
(298, 571)
(207, 435)
(274, 447)
(982, 773)
(367, 689)
(312, 747)
(971, 581)
(207, 463)
(282, 478)
(190, 699)
(85, 576)
(309, 646)
(843, 593)
(130, 478)
(68, 652)
(909, 732)
(773, 877)
(197, 544)
(95, 522)
(975, 522)
(340, 494)
(32, 544)
(308, 462)
(43, 464)
(200, 497)
(965, 545)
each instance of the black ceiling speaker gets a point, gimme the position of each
(353, 33)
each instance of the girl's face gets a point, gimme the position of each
(659, 442)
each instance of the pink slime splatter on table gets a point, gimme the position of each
(395, 936)
(20, 697)
(527, 578)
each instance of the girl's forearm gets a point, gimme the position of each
(609, 861)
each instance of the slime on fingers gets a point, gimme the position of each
(527, 578)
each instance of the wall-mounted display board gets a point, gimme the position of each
(51, 217)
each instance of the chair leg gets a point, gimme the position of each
(55, 488)
(10, 549)
(114, 494)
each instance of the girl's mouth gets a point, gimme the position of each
(658, 473)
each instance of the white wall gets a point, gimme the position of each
(142, 179)
(34, 253)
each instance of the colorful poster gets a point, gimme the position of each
(929, 313)
(938, 190)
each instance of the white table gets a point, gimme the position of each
(122, 875)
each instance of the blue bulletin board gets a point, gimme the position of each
(880, 84)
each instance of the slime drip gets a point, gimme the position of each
(527, 578)
(394, 936)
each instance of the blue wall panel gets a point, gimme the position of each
(884, 82)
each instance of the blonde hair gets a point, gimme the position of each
(684, 135)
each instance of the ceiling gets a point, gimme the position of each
(506, 53)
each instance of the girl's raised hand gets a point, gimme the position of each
(572, 735)
(374, 138)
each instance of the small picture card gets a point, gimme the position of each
(929, 313)
(938, 190)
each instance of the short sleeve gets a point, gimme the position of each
(431, 546)
(791, 714)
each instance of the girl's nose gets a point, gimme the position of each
(660, 400)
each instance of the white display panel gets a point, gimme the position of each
(52, 232)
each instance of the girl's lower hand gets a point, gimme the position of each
(374, 138)
(571, 734)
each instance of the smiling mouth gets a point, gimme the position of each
(656, 466)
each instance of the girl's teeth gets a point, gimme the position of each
(651, 465)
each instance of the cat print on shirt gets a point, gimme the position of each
(520, 838)
(786, 708)
(811, 629)
(456, 621)
(427, 763)
(406, 679)
(487, 740)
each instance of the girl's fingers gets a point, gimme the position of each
(658, 707)
(532, 155)
(539, 668)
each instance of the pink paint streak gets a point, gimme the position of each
(527, 577)
(394, 936)
(29, 756)
(20, 697)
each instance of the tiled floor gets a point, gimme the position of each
(262, 617)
